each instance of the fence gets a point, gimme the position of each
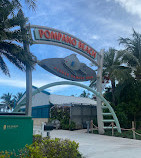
(94, 127)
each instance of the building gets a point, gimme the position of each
(40, 106)
(81, 109)
(3, 107)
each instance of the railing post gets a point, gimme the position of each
(112, 128)
(91, 126)
(133, 130)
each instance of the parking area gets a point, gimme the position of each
(99, 146)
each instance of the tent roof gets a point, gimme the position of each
(68, 100)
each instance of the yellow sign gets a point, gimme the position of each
(10, 127)
(4, 127)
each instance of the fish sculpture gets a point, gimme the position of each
(69, 68)
(73, 64)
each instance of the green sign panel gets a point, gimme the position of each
(15, 132)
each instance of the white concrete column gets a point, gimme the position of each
(99, 89)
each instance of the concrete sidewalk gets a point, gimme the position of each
(99, 146)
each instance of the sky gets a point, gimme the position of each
(100, 23)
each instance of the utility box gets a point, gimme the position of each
(15, 132)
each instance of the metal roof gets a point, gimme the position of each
(24, 94)
(68, 100)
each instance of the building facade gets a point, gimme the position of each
(81, 109)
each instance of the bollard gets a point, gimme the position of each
(48, 134)
(48, 128)
(88, 126)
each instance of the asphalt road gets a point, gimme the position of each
(99, 146)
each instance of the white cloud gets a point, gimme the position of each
(51, 79)
(113, 25)
(21, 83)
(95, 37)
(13, 83)
(131, 6)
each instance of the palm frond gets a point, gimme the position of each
(31, 3)
(130, 59)
(14, 21)
(109, 57)
(16, 3)
(133, 45)
(9, 37)
(12, 35)
(3, 67)
(137, 72)
(6, 8)
(121, 74)
(92, 84)
(16, 54)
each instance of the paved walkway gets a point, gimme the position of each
(99, 146)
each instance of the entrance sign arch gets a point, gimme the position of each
(51, 36)
(38, 90)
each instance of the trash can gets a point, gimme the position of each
(15, 132)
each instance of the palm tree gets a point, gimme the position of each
(17, 4)
(18, 96)
(10, 37)
(7, 100)
(113, 70)
(133, 53)
(84, 94)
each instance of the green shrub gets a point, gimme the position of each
(47, 148)
(5, 154)
(60, 113)
(37, 138)
(63, 115)
(53, 148)
(72, 126)
(64, 123)
(138, 124)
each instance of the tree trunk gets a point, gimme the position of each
(113, 92)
